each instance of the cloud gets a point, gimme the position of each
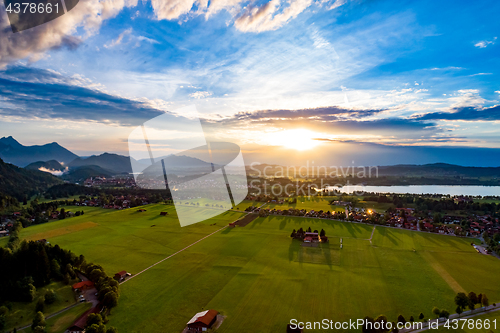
(485, 43)
(53, 171)
(247, 15)
(62, 32)
(315, 114)
(118, 40)
(41, 94)
(268, 17)
(200, 94)
(470, 113)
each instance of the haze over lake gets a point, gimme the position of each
(473, 190)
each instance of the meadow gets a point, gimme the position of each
(260, 279)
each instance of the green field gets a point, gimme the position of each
(22, 313)
(259, 278)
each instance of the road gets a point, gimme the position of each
(465, 315)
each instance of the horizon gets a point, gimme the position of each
(352, 79)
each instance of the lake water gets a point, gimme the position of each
(425, 189)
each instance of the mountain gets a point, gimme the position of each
(13, 152)
(178, 161)
(81, 173)
(18, 182)
(111, 162)
(49, 165)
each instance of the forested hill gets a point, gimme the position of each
(18, 182)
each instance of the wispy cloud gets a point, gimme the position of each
(485, 43)
(119, 39)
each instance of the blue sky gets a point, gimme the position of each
(406, 73)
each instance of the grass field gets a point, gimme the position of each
(260, 278)
(23, 313)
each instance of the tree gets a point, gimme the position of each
(436, 311)
(412, 319)
(293, 233)
(39, 320)
(322, 233)
(382, 319)
(444, 314)
(459, 310)
(4, 310)
(110, 300)
(39, 329)
(401, 319)
(462, 300)
(94, 319)
(2, 322)
(112, 330)
(485, 301)
(421, 316)
(50, 296)
(40, 305)
(472, 298)
(96, 328)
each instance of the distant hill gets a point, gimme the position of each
(18, 182)
(178, 161)
(49, 165)
(438, 170)
(79, 174)
(13, 152)
(111, 162)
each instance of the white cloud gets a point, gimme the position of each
(53, 171)
(118, 40)
(484, 43)
(33, 43)
(200, 94)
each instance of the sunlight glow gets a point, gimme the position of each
(299, 139)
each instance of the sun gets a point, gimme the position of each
(299, 139)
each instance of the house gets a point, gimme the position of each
(83, 285)
(4, 233)
(202, 321)
(120, 276)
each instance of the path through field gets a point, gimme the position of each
(170, 256)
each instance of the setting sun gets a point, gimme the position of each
(300, 139)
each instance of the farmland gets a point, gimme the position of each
(259, 278)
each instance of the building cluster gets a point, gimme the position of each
(120, 202)
(113, 182)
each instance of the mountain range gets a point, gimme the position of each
(13, 152)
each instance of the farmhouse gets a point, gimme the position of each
(311, 237)
(202, 321)
(83, 285)
(120, 276)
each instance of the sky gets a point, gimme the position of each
(376, 82)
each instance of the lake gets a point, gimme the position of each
(473, 190)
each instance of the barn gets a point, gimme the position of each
(202, 321)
